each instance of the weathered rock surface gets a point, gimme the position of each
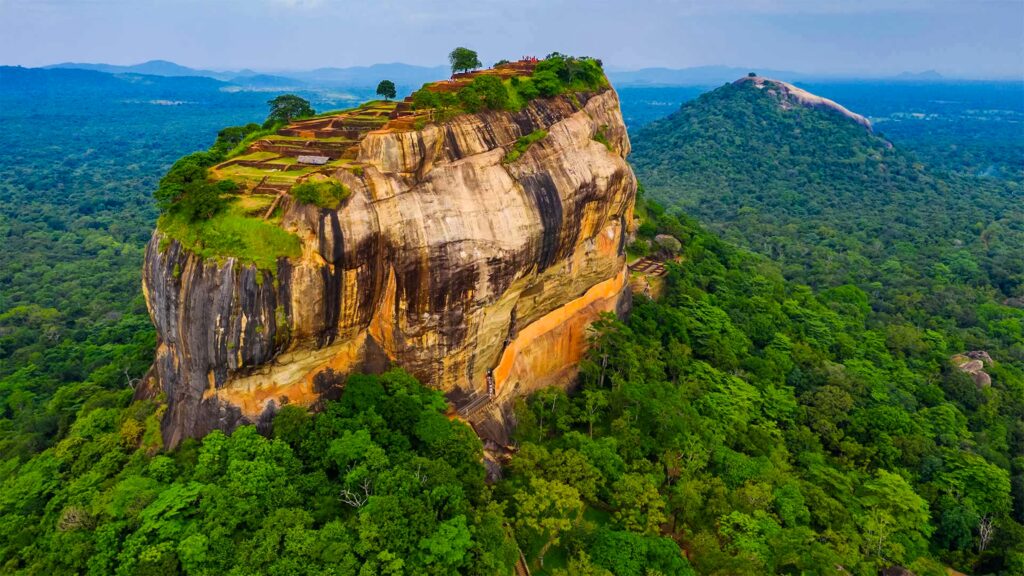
(789, 95)
(468, 272)
(973, 364)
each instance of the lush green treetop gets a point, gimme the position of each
(288, 107)
(463, 60)
(386, 89)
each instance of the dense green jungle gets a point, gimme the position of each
(787, 406)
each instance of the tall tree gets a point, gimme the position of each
(386, 88)
(894, 518)
(288, 107)
(463, 59)
(548, 510)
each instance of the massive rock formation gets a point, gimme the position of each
(474, 274)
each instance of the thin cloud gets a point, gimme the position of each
(300, 4)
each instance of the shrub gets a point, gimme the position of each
(601, 137)
(560, 73)
(522, 144)
(423, 99)
(547, 83)
(323, 193)
(527, 88)
(484, 93)
(647, 230)
(231, 137)
(185, 188)
(440, 104)
(202, 200)
(556, 75)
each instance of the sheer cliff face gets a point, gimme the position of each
(469, 272)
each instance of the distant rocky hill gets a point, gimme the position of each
(796, 176)
(789, 96)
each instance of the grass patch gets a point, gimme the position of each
(333, 112)
(601, 137)
(254, 204)
(520, 91)
(284, 161)
(303, 139)
(257, 156)
(339, 162)
(556, 557)
(243, 146)
(323, 193)
(288, 174)
(523, 144)
(380, 104)
(233, 234)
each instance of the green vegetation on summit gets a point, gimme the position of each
(386, 89)
(510, 86)
(220, 203)
(288, 107)
(326, 193)
(463, 60)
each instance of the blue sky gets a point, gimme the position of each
(963, 38)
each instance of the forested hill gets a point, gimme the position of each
(931, 260)
(799, 183)
(837, 204)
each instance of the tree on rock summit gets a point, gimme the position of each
(288, 107)
(386, 88)
(464, 60)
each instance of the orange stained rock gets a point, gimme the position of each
(556, 341)
(382, 325)
(251, 394)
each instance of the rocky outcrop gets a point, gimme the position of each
(973, 364)
(789, 96)
(476, 275)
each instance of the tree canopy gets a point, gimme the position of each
(288, 107)
(463, 60)
(381, 482)
(386, 89)
(766, 430)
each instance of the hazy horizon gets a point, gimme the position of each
(957, 38)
